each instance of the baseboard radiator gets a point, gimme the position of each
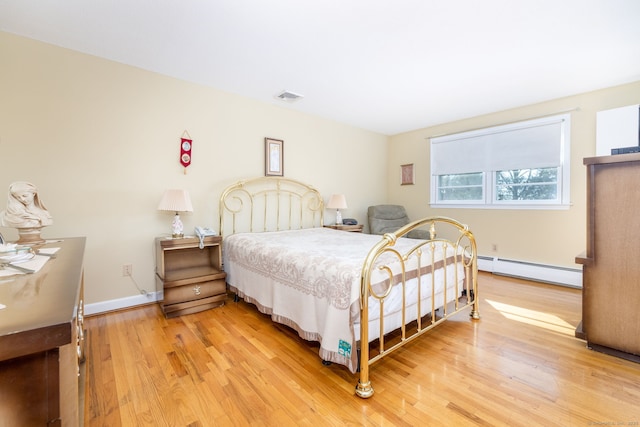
(532, 271)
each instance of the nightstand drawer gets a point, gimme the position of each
(194, 291)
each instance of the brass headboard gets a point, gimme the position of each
(269, 204)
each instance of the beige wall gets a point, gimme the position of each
(101, 141)
(549, 237)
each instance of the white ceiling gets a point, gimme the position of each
(383, 65)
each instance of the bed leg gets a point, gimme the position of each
(236, 298)
(475, 309)
(364, 391)
(471, 294)
(327, 362)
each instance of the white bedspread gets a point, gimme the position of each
(306, 279)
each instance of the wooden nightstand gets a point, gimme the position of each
(192, 278)
(355, 228)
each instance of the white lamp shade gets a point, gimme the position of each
(337, 201)
(175, 201)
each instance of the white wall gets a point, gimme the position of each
(101, 142)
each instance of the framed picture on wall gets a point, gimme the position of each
(407, 175)
(273, 157)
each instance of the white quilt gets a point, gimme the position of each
(307, 279)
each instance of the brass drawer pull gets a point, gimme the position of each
(196, 290)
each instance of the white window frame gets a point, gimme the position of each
(434, 194)
(563, 200)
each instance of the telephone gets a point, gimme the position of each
(349, 221)
(203, 232)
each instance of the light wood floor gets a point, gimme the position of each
(519, 365)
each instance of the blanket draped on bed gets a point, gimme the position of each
(306, 279)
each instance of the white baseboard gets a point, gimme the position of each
(122, 303)
(527, 270)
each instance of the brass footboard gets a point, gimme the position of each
(459, 248)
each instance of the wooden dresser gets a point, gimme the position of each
(42, 341)
(611, 270)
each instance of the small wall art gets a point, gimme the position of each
(407, 175)
(274, 157)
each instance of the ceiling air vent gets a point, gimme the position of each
(289, 96)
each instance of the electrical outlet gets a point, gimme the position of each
(127, 269)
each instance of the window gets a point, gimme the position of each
(464, 187)
(524, 164)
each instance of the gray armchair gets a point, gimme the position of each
(389, 218)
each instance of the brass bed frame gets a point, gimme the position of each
(275, 203)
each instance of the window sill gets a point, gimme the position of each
(503, 207)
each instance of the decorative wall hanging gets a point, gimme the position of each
(186, 144)
(274, 157)
(406, 174)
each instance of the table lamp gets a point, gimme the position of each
(176, 201)
(337, 202)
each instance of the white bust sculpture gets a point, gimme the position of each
(25, 211)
